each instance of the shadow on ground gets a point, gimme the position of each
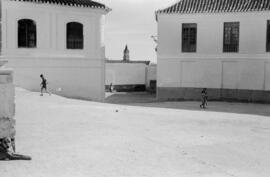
(130, 97)
(149, 100)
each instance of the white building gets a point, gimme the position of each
(223, 45)
(62, 39)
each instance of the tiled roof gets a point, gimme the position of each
(213, 6)
(77, 3)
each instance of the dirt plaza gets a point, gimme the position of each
(68, 138)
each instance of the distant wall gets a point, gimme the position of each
(130, 76)
(126, 73)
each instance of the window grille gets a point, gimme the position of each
(231, 37)
(189, 37)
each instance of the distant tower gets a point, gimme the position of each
(126, 54)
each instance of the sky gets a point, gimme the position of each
(132, 22)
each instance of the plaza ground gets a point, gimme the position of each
(133, 137)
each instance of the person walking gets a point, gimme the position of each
(111, 87)
(204, 98)
(43, 85)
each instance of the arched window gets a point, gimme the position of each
(74, 35)
(27, 33)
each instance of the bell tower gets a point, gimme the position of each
(126, 54)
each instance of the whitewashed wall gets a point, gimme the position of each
(7, 103)
(209, 67)
(71, 77)
(79, 73)
(126, 73)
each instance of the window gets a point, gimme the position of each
(189, 37)
(231, 37)
(268, 37)
(74, 35)
(27, 35)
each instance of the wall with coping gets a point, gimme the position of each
(126, 73)
(129, 76)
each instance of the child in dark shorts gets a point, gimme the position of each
(43, 85)
(204, 98)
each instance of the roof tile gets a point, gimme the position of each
(77, 3)
(209, 6)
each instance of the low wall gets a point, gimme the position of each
(7, 104)
(130, 76)
(125, 73)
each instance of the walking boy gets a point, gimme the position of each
(111, 87)
(204, 98)
(43, 85)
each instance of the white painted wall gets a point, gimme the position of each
(126, 73)
(7, 103)
(71, 77)
(209, 66)
(80, 73)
